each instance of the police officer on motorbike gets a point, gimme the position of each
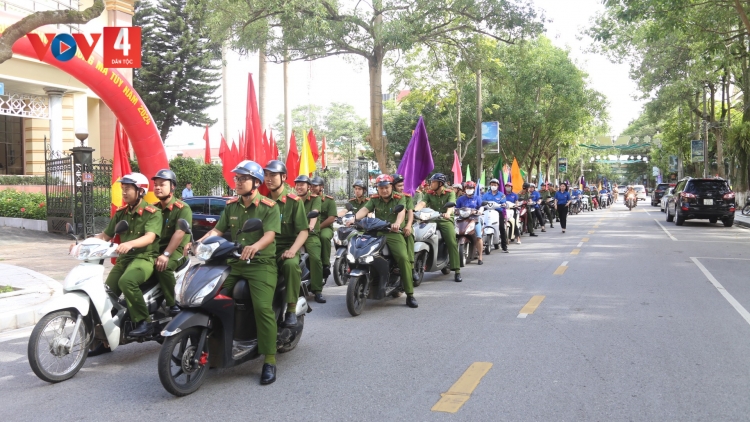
(292, 236)
(328, 213)
(359, 200)
(398, 187)
(172, 240)
(259, 248)
(382, 205)
(496, 196)
(435, 197)
(546, 194)
(473, 201)
(312, 244)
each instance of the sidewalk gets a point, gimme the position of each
(20, 307)
(741, 220)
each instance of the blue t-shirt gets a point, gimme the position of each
(535, 196)
(465, 202)
(562, 198)
(576, 193)
(512, 197)
(498, 197)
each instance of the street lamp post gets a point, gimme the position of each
(398, 159)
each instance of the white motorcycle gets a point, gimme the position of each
(491, 226)
(88, 316)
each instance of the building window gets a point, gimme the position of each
(11, 145)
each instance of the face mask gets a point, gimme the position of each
(470, 192)
(493, 188)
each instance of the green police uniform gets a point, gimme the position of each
(174, 211)
(546, 194)
(293, 221)
(135, 267)
(435, 200)
(358, 204)
(409, 203)
(530, 215)
(312, 245)
(261, 272)
(383, 209)
(328, 209)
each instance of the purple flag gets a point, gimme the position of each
(417, 163)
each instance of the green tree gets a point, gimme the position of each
(179, 75)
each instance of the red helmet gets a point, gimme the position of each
(383, 180)
(470, 185)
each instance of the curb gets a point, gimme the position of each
(742, 223)
(28, 316)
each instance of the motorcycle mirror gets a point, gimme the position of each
(349, 207)
(251, 225)
(398, 208)
(312, 214)
(122, 227)
(449, 205)
(183, 225)
(485, 203)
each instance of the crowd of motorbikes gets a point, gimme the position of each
(216, 328)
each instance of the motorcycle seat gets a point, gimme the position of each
(150, 283)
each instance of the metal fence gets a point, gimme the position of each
(102, 193)
(60, 191)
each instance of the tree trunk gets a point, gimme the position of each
(479, 125)
(458, 118)
(378, 142)
(287, 108)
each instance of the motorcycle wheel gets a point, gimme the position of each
(445, 271)
(487, 244)
(339, 271)
(291, 345)
(419, 264)
(46, 359)
(355, 296)
(746, 210)
(463, 253)
(176, 373)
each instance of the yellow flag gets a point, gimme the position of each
(515, 176)
(306, 160)
(599, 187)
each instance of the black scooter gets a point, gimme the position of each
(214, 329)
(374, 273)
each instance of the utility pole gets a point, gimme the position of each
(287, 110)
(705, 135)
(480, 152)
(224, 94)
(262, 88)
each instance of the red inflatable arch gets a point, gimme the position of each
(120, 97)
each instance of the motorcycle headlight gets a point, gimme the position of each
(464, 213)
(350, 258)
(83, 251)
(367, 259)
(204, 251)
(197, 298)
(470, 228)
(423, 216)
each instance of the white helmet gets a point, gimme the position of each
(140, 181)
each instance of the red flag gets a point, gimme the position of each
(235, 156)
(227, 162)
(458, 176)
(253, 130)
(292, 162)
(313, 144)
(120, 167)
(274, 148)
(207, 157)
(323, 153)
(262, 159)
(243, 148)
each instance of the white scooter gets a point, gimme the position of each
(88, 316)
(491, 226)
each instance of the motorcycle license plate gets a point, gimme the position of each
(708, 202)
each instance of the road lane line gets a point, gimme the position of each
(575, 251)
(732, 301)
(665, 230)
(561, 269)
(531, 305)
(579, 244)
(585, 239)
(460, 392)
(591, 231)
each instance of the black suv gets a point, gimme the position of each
(701, 198)
(206, 213)
(660, 190)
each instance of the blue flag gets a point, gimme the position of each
(417, 163)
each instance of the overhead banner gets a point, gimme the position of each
(696, 152)
(562, 165)
(672, 163)
(491, 137)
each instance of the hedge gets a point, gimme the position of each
(21, 180)
(23, 205)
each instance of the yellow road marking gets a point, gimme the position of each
(585, 239)
(531, 305)
(560, 270)
(591, 232)
(596, 226)
(575, 251)
(460, 392)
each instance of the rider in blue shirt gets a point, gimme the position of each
(472, 200)
(495, 195)
(536, 196)
(512, 197)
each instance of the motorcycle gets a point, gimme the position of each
(374, 273)
(513, 220)
(575, 205)
(430, 252)
(466, 235)
(491, 226)
(213, 329)
(342, 235)
(631, 201)
(746, 208)
(585, 203)
(603, 200)
(88, 316)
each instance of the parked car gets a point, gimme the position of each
(206, 213)
(621, 190)
(640, 191)
(661, 188)
(665, 199)
(710, 199)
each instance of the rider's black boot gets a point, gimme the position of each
(268, 374)
(143, 328)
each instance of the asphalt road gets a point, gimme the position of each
(643, 321)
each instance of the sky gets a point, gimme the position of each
(345, 79)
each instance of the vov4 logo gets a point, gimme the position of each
(122, 46)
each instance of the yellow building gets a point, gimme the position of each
(40, 100)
